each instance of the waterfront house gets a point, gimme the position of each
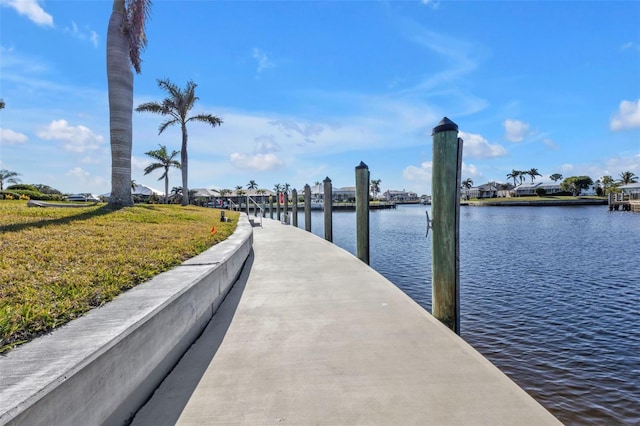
(399, 196)
(631, 189)
(529, 189)
(488, 190)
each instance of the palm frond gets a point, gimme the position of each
(167, 124)
(152, 167)
(189, 95)
(173, 90)
(207, 118)
(137, 13)
(150, 107)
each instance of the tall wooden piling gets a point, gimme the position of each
(445, 208)
(307, 208)
(278, 205)
(270, 206)
(362, 212)
(328, 210)
(294, 207)
(285, 202)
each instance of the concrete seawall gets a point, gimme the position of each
(102, 367)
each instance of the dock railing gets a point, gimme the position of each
(256, 208)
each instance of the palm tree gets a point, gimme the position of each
(466, 184)
(176, 192)
(239, 191)
(1, 104)
(252, 184)
(608, 183)
(555, 177)
(375, 187)
(165, 161)
(515, 174)
(261, 193)
(627, 178)
(9, 177)
(125, 40)
(177, 107)
(533, 173)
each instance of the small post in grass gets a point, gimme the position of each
(328, 210)
(362, 212)
(307, 208)
(445, 208)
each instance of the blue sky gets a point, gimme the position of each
(309, 89)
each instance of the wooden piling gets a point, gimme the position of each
(278, 205)
(445, 208)
(307, 208)
(270, 206)
(362, 212)
(294, 207)
(328, 210)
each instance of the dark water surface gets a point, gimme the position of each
(550, 295)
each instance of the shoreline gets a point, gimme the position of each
(534, 203)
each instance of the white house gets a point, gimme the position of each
(631, 188)
(394, 195)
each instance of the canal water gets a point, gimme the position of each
(550, 295)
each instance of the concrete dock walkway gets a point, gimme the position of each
(310, 335)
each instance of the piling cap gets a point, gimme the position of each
(327, 179)
(362, 166)
(444, 125)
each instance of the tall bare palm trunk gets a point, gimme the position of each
(120, 84)
(184, 160)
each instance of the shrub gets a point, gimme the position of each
(22, 187)
(541, 192)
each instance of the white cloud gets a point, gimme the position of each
(263, 157)
(260, 162)
(550, 144)
(420, 174)
(470, 170)
(630, 46)
(139, 163)
(89, 34)
(78, 172)
(9, 137)
(627, 116)
(263, 60)
(31, 9)
(476, 146)
(566, 168)
(434, 4)
(515, 130)
(76, 139)
(83, 181)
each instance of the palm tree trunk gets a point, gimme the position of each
(183, 160)
(120, 84)
(166, 187)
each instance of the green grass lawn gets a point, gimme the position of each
(58, 263)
